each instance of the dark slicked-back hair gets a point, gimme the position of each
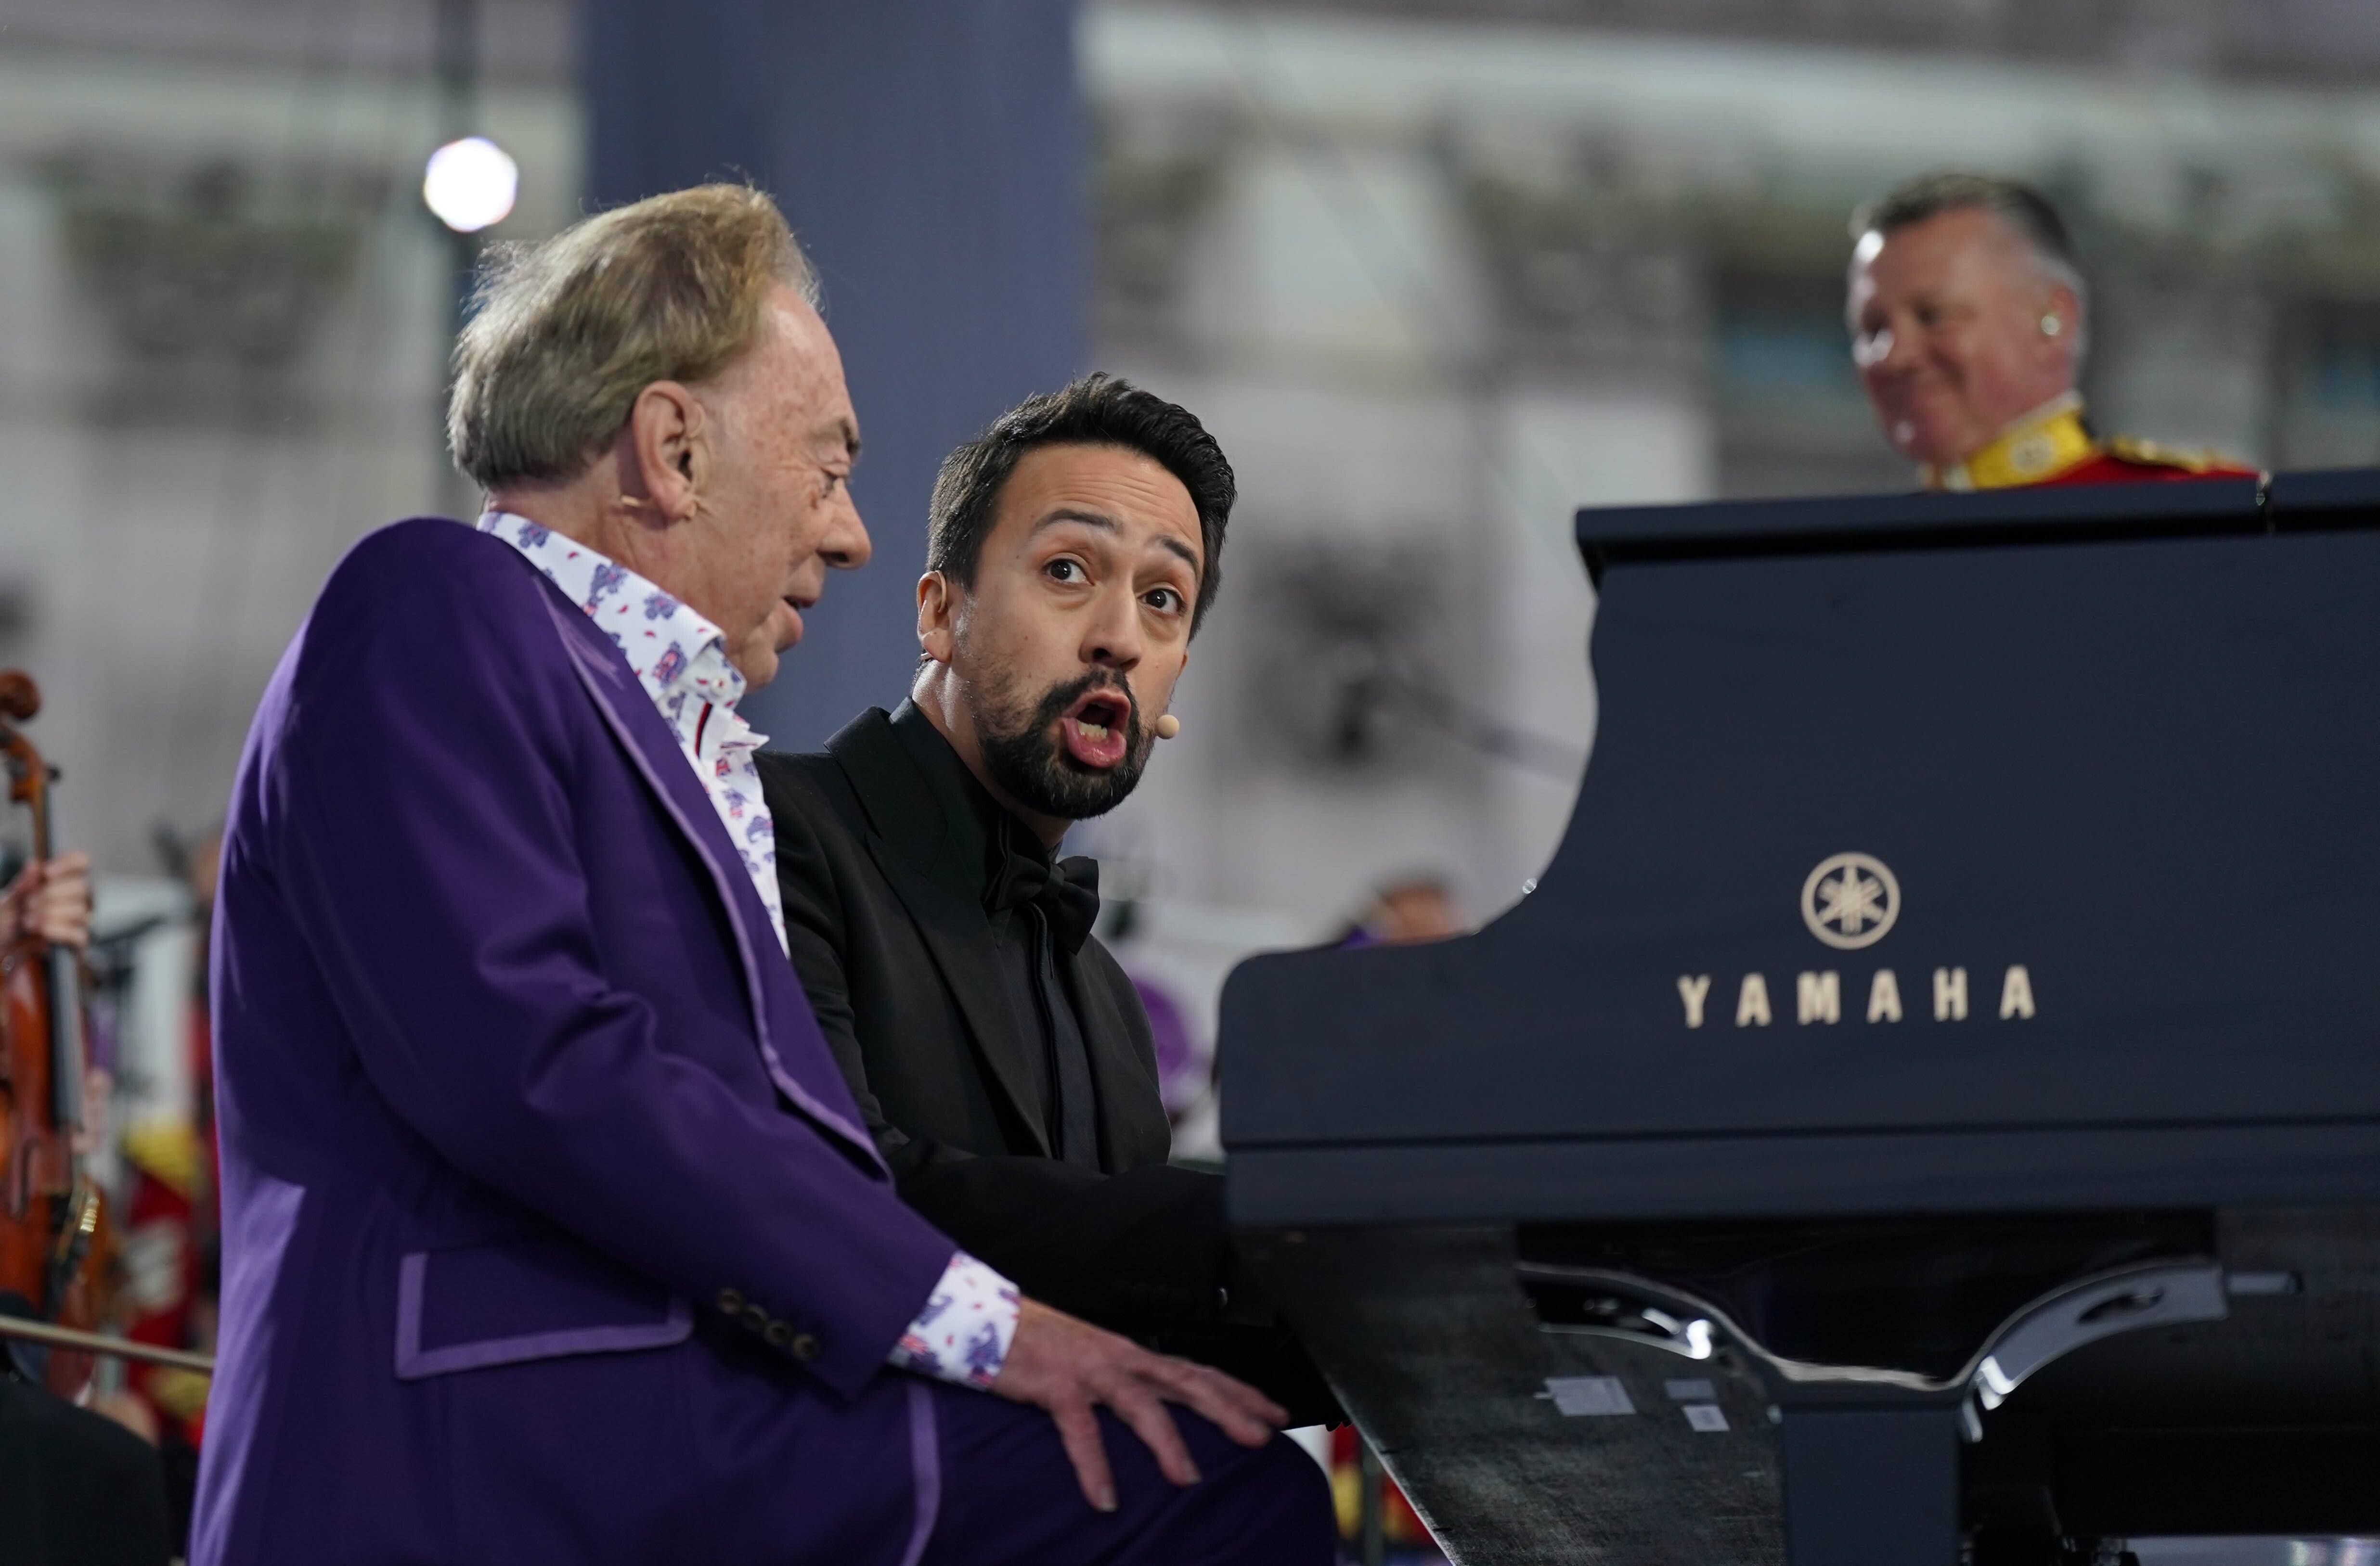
(1095, 410)
(2025, 209)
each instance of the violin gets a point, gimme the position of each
(51, 1214)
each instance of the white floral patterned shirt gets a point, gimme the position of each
(681, 660)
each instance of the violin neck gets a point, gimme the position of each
(69, 1062)
(38, 797)
(69, 1058)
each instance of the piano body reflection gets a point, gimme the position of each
(1931, 1100)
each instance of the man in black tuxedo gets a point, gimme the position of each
(1002, 1059)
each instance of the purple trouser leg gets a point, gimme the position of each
(1009, 1495)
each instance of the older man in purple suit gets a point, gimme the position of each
(551, 1232)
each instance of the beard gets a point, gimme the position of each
(1025, 753)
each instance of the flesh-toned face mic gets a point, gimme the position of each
(1167, 725)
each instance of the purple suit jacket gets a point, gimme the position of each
(550, 1230)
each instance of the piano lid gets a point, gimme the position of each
(1739, 529)
(2011, 850)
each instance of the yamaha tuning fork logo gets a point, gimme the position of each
(1850, 902)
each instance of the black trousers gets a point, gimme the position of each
(74, 1489)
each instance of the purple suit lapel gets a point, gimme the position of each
(628, 713)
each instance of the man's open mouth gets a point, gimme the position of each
(1097, 727)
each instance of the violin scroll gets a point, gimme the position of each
(19, 698)
(27, 773)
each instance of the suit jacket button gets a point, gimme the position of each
(778, 1335)
(754, 1319)
(805, 1347)
(731, 1301)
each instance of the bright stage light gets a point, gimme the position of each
(470, 184)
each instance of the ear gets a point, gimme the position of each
(669, 446)
(2060, 302)
(937, 612)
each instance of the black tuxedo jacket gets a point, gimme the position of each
(888, 931)
(885, 920)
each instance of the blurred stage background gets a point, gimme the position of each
(1437, 273)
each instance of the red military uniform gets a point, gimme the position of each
(2053, 447)
(2123, 460)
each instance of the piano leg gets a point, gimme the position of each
(1870, 1487)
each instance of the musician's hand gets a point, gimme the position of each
(53, 901)
(98, 1103)
(1070, 1367)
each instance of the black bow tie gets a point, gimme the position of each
(1067, 892)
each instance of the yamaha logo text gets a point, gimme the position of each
(1850, 902)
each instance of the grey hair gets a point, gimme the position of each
(569, 331)
(2022, 209)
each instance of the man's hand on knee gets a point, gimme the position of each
(1070, 1367)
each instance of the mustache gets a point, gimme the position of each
(1060, 699)
(1024, 752)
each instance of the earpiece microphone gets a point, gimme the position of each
(1167, 725)
(2051, 325)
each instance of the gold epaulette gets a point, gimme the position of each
(2149, 453)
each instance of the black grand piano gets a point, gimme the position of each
(1929, 1108)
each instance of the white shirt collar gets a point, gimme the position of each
(678, 656)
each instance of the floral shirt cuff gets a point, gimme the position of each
(963, 1332)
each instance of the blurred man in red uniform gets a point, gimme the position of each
(1966, 313)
